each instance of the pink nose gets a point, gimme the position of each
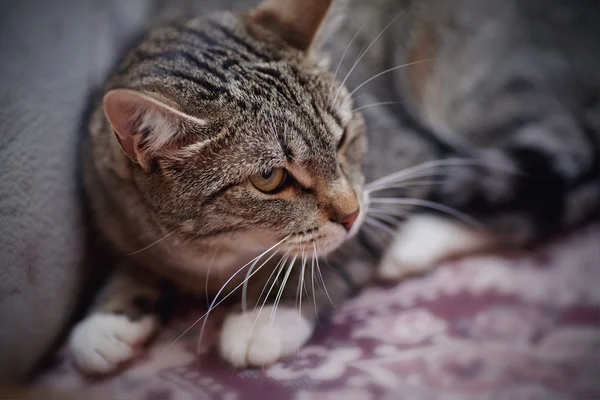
(348, 220)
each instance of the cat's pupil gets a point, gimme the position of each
(266, 174)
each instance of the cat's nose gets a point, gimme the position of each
(347, 221)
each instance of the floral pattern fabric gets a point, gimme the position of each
(502, 327)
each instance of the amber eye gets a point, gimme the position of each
(270, 180)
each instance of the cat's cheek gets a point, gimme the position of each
(263, 337)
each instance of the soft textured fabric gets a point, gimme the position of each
(53, 55)
(488, 327)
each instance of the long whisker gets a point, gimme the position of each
(321, 275)
(375, 234)
(344, 55)
(247, 278)
(380, 225)
(381, 103)
(388, 210)
(212, 260)
(386, 72)
(430, 204)
(213, 305)
(407, 173)
(244, 283)
(278, 268)
(281, 288)
(393, 220)
(301, 283)
(312, 278)
(411, 183)
(152, 244)
(360, 57)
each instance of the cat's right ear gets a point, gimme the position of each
(304, 24)
(144, 125)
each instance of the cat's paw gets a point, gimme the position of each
(101, 342)
(426, 240)
(254, 339)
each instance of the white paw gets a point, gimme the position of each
(250, 339)
(426, 240)
(101, 342)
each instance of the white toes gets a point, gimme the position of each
(426, 240)
(101, 342)
(255, 339)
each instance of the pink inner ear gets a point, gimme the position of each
(144, 125)
(122, 109)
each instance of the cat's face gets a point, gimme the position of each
(240, 134)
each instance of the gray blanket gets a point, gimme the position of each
(53, 54)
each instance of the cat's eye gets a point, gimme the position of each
(270, 180)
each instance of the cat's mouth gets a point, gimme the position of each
(311, 242)
(306, 237)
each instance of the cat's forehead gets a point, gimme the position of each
(282, 135)
(205, 65)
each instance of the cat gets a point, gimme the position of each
(229, 157)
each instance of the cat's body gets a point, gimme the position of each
(511, 88)
(204, 105)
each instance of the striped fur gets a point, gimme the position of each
(197, 108)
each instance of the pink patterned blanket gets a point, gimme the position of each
(487, 327)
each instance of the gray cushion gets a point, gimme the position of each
(53, 55)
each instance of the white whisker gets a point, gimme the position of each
(388, 209)
(361, 55)
(247, 278)
(408, 172)
(381, 103)
(380, 225)
(312, 278)
(386, 72)
(278, 268)
(344, 55)
(321, 275)
(281, 288)
(152, 244)
(301, 283)
(212, 260)
(390, 219)
(412, 172)
(374, 234)
(213, 305)
(429, 204)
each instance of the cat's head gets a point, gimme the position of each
(237, 129)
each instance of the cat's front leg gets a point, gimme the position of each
(124, 317)
(425, 240)
(260, 337)
(265, 334)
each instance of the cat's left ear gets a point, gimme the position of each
(145, 125)
(304, 24)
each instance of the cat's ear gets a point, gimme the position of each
(143, 124)
(304, 24)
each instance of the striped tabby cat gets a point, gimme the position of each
(227, 157)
